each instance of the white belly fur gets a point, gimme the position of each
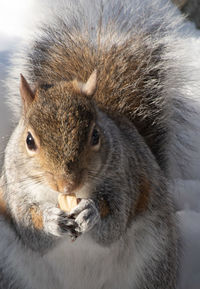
(82, 264)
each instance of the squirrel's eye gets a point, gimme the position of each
(95, 137)
(30, 142)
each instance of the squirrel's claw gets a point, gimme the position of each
(57, 223)
(86, 215)
(69, 226)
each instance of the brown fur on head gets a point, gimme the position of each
(61, 119)
(131, 75)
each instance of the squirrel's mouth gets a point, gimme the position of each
(60, 184)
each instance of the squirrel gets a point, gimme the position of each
(93, 122)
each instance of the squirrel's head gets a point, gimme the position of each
(61, 131)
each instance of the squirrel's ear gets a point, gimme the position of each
(26, 92)
(89, 87)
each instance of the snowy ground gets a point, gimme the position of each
(186, 194)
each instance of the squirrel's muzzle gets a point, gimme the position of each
(66, 183)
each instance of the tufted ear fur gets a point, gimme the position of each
(26, 93)
(88, 88)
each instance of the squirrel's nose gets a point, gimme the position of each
(64, 184)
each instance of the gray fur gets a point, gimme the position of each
(78, 21)
(128, 162)
(127, 248)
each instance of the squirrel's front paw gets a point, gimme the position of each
(57, 223)
(86, 215)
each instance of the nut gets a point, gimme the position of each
(67, 202)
